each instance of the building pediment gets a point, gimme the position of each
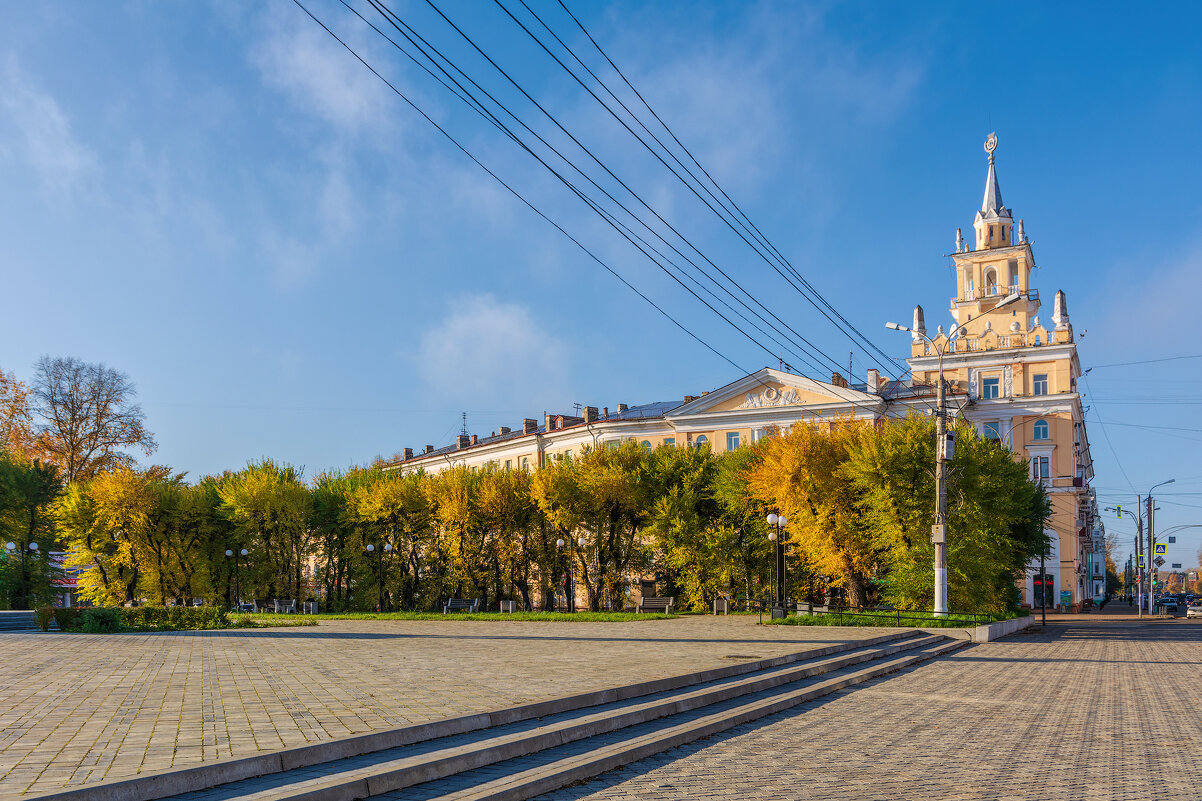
(768, 389)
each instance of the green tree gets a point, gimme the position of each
(28, 491)
(269, 508)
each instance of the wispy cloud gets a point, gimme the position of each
(487, 348)
(298, 58)
(40, 133)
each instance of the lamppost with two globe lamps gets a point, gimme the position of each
(778, 601)
(379, 571)
(22, 600)
(237, 556)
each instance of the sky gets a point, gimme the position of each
(290, 261)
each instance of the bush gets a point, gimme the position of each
(102, 620)
(45, 615)
(69, 618)
(175, 618)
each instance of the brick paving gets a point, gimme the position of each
(78, 708)
(1094, 707)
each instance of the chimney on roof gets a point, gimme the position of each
(408, 454)
(622, 407)
(529, 425)
(838, 380)
(505, 430)
(462, 441)
(474, 439)
(590, 414)
(605, 412)
(429, 449)
(690, 398)
(874, 381)
(549, 422)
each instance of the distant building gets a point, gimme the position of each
(1009, 374)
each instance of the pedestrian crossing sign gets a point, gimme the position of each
(1161, 549)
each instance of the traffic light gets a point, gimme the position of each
(1155, 576)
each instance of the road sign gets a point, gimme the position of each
(1141, 560)
(1161, 549)
(1158, 561)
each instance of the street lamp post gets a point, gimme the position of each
(241, 553)
(569, 591)
(379, 571)
(778, 600)
(1139, 546)
(22, 600)
(944, 451)
(580, 543)
(1152, 535)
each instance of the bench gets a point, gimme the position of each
(264, 605)
(286, 606)
(661, 606)
(461, 605)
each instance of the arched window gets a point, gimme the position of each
(1039, 430)
(1037, 340)
(701, 440)
(646, 445)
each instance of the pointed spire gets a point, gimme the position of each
(992, 202)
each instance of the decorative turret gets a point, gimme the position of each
(993, 222)
(1060, 312)
(919, 329)
(959, 241)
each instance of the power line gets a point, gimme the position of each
(1146, 361)
(754, 231)
(514, 192)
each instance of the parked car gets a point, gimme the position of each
(1194, 610)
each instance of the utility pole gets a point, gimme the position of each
(939, 529)
(1139, 536)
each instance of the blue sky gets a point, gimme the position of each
(288, 261)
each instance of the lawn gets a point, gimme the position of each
(514, 617)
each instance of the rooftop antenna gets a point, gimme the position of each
(463, 430)
(578, 407)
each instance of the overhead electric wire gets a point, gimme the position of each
(515, 193)
(816, 299)
(1146, 361)
(642, 245)
(815, 351)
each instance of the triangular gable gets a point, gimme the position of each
(768, 388)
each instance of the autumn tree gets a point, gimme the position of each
(800, 474)
(86, 416)
(392, 509)
(269, 508)
(17, 435)
(508, 509)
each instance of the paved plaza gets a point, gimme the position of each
(1088, 709)
(79, 708)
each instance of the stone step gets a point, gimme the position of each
(19, 620)
(450, 757)
(534, 775)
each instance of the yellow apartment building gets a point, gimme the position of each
(1009, 374)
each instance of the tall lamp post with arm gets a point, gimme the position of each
(1152, 536)
(944, 451)
(1139, 547)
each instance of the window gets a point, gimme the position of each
(1040, 468)
(732, 440)
(701, 440)
(1039, 384)
(526, 463)
(567, 456)
(1039, 430)
(1037, 341)
(990, 387)
(670, 442)
(612, 444)
(509, 464)
(1043, 595)
(646, 445)
(992, 431)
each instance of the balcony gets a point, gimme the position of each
(997, 292)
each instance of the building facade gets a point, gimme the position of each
(1008, 373)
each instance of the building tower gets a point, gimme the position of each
(1015, 380)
